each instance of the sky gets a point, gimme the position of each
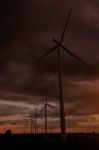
(26, 31)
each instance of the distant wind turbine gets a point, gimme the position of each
(45, 108)
(58, 45)
(32, 122)
(35, 120)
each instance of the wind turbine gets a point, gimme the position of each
(58, 45)
(35, 121)
(36, 126)
(32, 121)
(45, 108)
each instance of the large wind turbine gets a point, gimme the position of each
(58, 45)
(45, 108)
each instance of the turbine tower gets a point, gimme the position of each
(32, 121)
(35, 120)
(45, 108)
(58, 45)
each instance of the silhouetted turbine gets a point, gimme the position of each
(45, 108)
(32, 121)
(57, 47)
(35, 120)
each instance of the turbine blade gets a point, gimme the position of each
(65, 27)
(42, 109)
(72, 54)
(51, 106)
(47, 53)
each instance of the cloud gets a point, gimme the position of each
(26, 31)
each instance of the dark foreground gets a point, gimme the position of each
(38, 142)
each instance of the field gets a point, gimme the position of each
(36, 142)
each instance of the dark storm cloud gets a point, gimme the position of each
(8, 110)
(26, 32)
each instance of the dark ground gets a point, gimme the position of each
(80, 141)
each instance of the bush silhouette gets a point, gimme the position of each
(8, 132)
